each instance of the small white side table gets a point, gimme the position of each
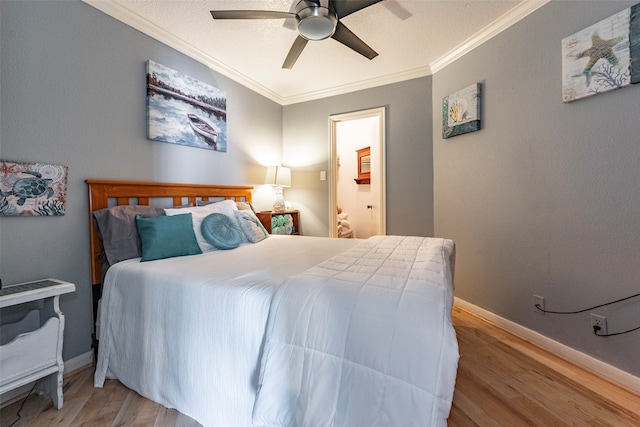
(32, 347)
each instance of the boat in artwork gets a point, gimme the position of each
(208, 131)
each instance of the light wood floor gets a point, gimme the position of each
(502, 381)
(506, 381)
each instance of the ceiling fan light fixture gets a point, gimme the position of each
(315, 22)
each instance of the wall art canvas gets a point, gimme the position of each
(461, 112)
(634, 42)
(32, 189)
(182, 110)
(602, 57)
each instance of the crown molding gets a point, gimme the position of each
(515, 15)
(361, 85)
(126, 16)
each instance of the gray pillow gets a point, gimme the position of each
(251, 226)
(116, 227)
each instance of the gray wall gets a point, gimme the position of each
(409, 161)
(545, 198)
(73, 93)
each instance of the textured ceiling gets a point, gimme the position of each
(412, 38)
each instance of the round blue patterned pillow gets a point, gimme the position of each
(221, 231)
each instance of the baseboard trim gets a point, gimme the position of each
(570, 354)
(78, 362)
(70, 366)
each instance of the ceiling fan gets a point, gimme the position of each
(316, 20)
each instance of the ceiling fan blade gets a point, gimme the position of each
(347, 38)
(250, 14)
(347, 7)
(294, 52)
(291, 24)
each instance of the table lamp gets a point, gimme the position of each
(278, 177)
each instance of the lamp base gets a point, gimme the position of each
(278, 203)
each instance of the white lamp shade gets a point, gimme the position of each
(278, 176)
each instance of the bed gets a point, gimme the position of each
(283, 331)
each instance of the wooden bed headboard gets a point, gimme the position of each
(140, 193)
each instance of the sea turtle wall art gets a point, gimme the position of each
(32, 189)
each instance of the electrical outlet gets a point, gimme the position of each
(538, 301)
(599, 322)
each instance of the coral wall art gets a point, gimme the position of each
(602, 57)
(32, 189)
(461, 112)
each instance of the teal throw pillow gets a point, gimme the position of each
(166, 237)
(221, 231)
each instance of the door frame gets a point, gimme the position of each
(380, 199)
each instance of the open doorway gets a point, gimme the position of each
(362, 202)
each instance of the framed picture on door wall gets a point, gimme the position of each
(461, 112)
(602, 57)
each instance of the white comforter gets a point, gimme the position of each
(189, 333)
(364, 339)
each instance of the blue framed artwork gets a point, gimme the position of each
(182, 110)
(461, 112)
(634, 42)
(602, 57)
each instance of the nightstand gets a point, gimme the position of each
(31, 348)
(266, 217)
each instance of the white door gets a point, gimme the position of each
(366, 204)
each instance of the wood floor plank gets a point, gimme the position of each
(80, 389)
(584, 377)
(33, 409)
(103, 405)
(136, 411)
(466, 412)
(493, 403)
(458, 416)
(539, 416)
(502, 381)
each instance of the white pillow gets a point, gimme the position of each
(198, 213)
